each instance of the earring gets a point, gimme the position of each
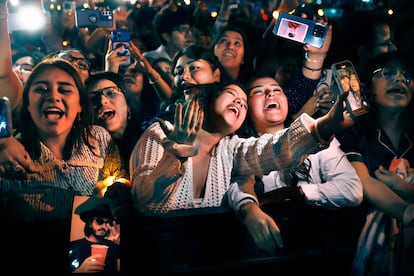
(129, 115)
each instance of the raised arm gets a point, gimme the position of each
(10, 85)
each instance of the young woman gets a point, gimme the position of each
(58, 154)
(116, 109)
(187, 162)
(325, 179)
(380, 139)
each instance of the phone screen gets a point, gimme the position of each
(121, 38)
(5, 118)
(347, 81)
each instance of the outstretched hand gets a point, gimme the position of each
(187, 127)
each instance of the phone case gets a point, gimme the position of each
(301, 30)
(119, 38)
(5, 118)
(347, 80)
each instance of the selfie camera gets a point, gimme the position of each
(94, 18)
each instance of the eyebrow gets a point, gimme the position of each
(60, 83)
(262, 85)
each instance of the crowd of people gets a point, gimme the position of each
(201, 113)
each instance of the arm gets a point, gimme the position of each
(222, 19)
(334, 182)
(155, 172)
(401, 186)
(263, 229)
(311, 71)
(164, 91)
(157, 161)
(378, 194)
(10, 85)
(287, 148)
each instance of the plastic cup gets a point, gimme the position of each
(99, 249)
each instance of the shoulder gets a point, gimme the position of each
(100, 133)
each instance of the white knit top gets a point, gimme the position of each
(161, 182)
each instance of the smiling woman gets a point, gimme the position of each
(58, 154)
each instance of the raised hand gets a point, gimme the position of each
(186, 127)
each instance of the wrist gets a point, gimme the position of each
(321, 134)
(314, 58)
(245, 207)
(154, 78)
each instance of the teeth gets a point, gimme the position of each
(53, 113)
(235, 110)
(106, 114)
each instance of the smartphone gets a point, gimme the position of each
(301, 30)
(347, 80)
(86, 18)
(122, 38)
(6, 127)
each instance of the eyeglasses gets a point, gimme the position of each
(101, 221)
(390, 73)
(24, 66)
(183, 29)
(109, 92)
(81, 63)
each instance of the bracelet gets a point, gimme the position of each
(320, 140)
(157, 77)
(312, 69)
(313, 60)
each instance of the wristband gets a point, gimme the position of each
(312, 69)
(314, 60)
(157, 77)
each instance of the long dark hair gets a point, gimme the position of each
(80, 131)
(133, 129)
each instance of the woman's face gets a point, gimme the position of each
(54, 102)
(393, 87)
(110, 106)
(229, 110)
(229, 50)
(268, 105)
(189, 72)
(79, 61)
(354, 83)
(23, 68)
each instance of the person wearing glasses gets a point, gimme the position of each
(77, 58)
(58, 153)
(100, 228)
(116, 109)
(174, 28)
(379, 146)
(367, 34)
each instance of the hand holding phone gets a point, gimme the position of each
(122, 38)
(347, 81)
(301, 30)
